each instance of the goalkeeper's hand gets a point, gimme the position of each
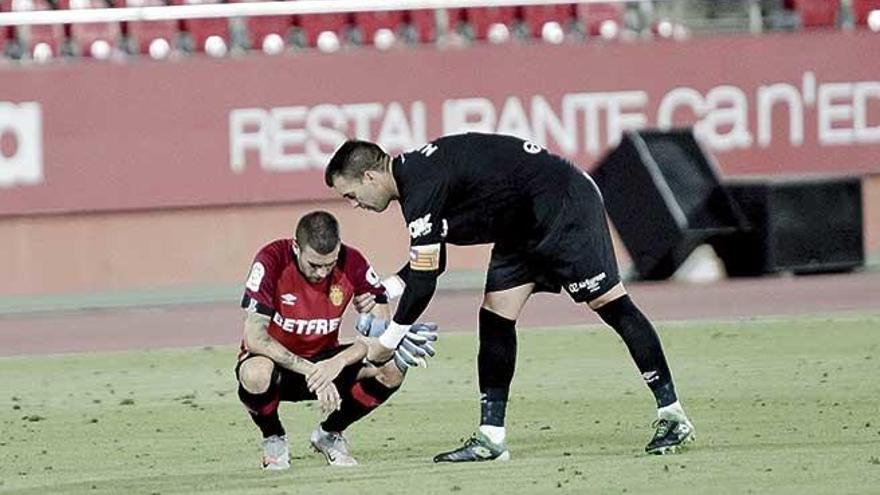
(417, 345)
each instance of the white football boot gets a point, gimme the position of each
(334, 446)
(276, 454)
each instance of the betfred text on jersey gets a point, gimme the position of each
(318, 326)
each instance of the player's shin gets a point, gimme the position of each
(673, 429)
(644, 346)
(263, 409)
(358, 401)
(496, 363)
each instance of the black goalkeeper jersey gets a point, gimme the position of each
(473, 189)
(480, 188)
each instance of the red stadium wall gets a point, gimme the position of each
(152, 174)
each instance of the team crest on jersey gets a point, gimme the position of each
(336, 295)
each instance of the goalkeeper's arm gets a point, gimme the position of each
(413, 302)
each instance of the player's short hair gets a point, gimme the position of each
(354, 158)
(319, 230)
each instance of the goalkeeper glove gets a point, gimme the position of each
(417, 345)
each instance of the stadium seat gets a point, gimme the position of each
(369, 23)
(536, 16)
(142, 35)
(209, 36)
(259, 30)
(311, 26)
(424, 23)
(95, 39)
(817, 13)
(485, 22)
(43, 41)
(6, 35)
(600, 19)
(862, 10)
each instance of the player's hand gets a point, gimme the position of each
(364, 303)
(416, 346)
(370, 326)
(323, 374)
(328, 398)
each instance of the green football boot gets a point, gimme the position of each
(671, 436)
(477, 448)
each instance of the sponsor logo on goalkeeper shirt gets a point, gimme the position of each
(317, 326)
(420, 226)
(592, 284)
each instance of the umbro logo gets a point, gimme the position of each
(288, 299)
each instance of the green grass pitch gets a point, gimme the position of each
(780, 406)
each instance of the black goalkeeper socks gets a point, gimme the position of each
(496, 363)
(644, 346)
(493, 406)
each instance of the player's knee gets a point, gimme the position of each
(621, 313)
(507, 303)
(255, 374)
(390, 375)
(613, 294)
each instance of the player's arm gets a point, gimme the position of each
(426, 264)
(370, 295)
(396, 284)
(381, 311)
(258, 341)
(259, 307)
(423, 208)
(327, 370)
(371, 299)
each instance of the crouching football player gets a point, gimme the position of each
(294, 298)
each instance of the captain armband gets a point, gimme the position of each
(424, 258)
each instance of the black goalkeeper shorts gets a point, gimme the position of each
(574, 253)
